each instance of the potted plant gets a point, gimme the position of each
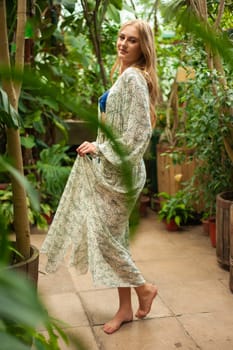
(205, 223)
(212, 231)
(155, 202)
(175, 210)
(144, 200)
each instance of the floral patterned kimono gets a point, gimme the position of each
(94, 209)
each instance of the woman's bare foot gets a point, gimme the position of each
(121, 317)
(146, 295)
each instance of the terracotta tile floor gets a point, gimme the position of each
(193, 310)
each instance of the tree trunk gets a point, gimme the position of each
(21, 222)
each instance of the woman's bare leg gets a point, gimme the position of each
(124, 313)
(146, 294)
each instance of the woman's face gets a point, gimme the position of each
(128, 46)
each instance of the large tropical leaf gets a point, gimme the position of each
(18, 300)
(21, 313)
(8, 115)
(116, 3)
(33, 195)
(113, 13)
(9, 342)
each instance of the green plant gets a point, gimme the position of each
(206, 100)
(205, 129)
(35, 216)
(6, 208)
(54, 163)
(175, 207)
(12, 89)
(21, 311)
(48, 177)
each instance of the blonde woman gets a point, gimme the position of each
(94, 210)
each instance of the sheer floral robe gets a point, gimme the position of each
(94, 209)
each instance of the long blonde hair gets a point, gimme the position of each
(146, 63)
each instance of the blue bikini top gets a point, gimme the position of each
(103, 101)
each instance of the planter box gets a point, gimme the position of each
(171, 177)
(185, 74)
(78, 132)
(167, 170)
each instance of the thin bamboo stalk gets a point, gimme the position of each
(21, 221)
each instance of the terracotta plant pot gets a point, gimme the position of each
(143, 205)
(212, 231)
(3, 186)
(49, 218)
(205, 226)
(171, 226)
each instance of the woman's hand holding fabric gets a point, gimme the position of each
(86, 148)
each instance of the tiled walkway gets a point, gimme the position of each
(193, 310)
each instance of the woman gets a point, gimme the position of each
(94, 210)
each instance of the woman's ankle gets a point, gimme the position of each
(146, 294)
(144, 288)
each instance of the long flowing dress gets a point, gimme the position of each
(93, 213)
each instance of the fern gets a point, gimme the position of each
(53, 176)
(54, 168)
